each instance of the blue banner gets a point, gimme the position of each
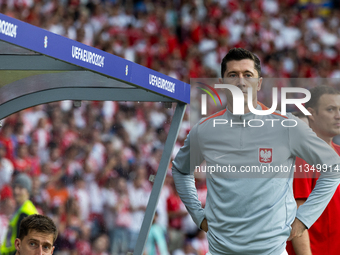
(42, 41)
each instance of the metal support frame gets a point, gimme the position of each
(34, 62)
(79, 94)
(160, 177)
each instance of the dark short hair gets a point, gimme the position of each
(39, 223)
(317, 92)
(240, 54)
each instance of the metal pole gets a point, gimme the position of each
(160, 177)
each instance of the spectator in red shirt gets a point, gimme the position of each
(7, 208)
(176, 211)
(22, 162)
(70, 134)
(5, 138)
(55, 159)
(35, 159)
(323, 236)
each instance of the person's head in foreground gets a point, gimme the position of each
(324, 106)
(37, 235)
(241, 68)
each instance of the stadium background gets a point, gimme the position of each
(90, 164)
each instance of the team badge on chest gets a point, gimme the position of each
(265, 155)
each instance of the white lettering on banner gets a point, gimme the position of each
(8, 29)
(161, 83)
(87, 56)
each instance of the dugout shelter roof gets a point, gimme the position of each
(38, 67)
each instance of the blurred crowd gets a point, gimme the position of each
(89, 168)
(188, 38)
(90, 165)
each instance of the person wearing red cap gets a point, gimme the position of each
(7, 206)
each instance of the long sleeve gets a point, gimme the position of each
(183, 174)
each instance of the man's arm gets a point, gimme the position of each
(183, 168)
(298, 229)
(316, 203)
(185, 186)
(301, 244)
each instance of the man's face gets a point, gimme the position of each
(242, 73)
(20, 194)
(326, 118)
(35, 243)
